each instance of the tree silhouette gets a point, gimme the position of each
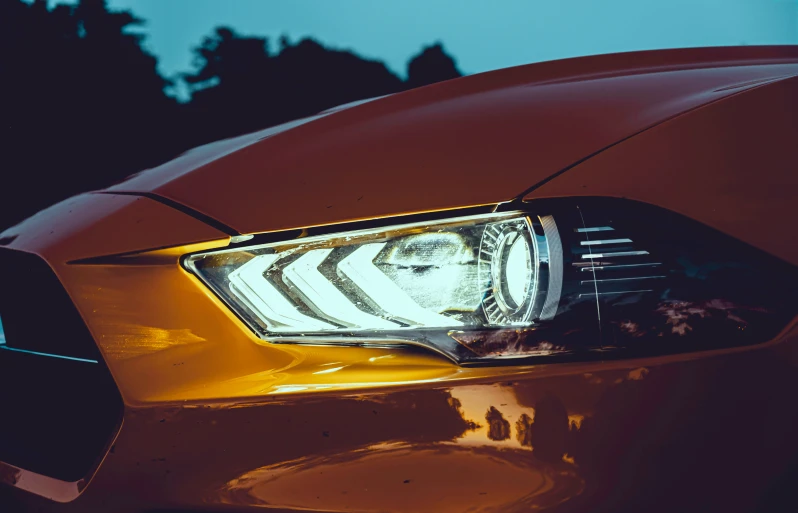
(498, 426)
(84, 105)
(548, 434)
(241, 86)
(432, 65)
(523, 430)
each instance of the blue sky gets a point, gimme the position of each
(482, 35)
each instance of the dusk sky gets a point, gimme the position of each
(481, 35)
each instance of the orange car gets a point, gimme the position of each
(564, 287)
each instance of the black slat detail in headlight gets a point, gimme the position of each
(60, 406)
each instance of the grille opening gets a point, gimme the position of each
(60, 406)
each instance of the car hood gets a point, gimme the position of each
(482, 139)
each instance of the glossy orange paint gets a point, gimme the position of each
(216, 421)
(472, 141)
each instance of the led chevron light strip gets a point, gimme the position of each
(376, 286)
(261, 296)
(324, 297)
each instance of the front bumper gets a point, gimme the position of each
(214, 421)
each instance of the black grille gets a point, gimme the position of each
(60, 406)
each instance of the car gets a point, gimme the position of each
(569, 286)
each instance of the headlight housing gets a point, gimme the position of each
(406, 283)
(555, 278)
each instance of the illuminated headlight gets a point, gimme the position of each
(409, 283)
(571, 277)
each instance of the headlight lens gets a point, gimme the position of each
(591, 276)
(401, 283)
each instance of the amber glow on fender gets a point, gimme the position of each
(330, 370)
(477, 401)
(575, 421)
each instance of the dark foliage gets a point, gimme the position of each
(84, 105)
(430, 66)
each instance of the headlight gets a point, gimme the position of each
(573, 276)
(407, 283)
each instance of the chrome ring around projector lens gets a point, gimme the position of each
(513, 270)
(509, 264)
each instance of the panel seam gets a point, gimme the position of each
(520, 197)
(196, 214)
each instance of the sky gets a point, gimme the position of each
(481, 34)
